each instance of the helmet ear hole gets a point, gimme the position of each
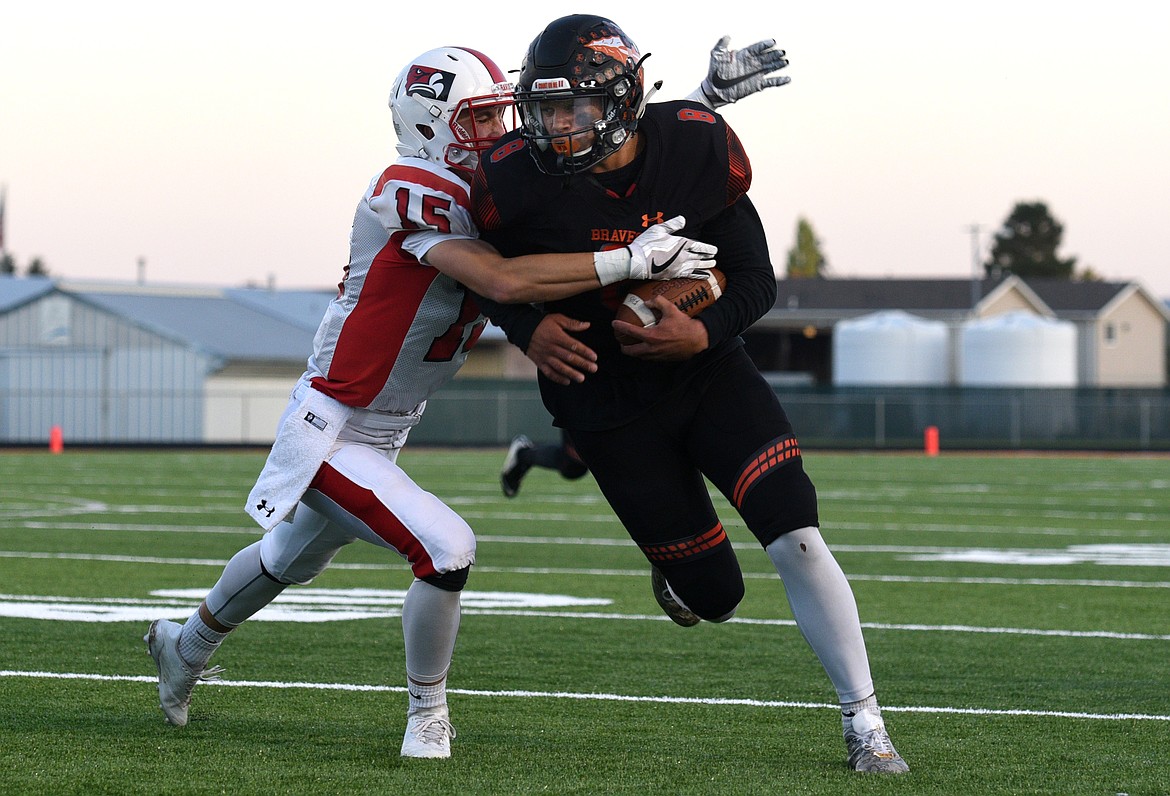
(425, 131)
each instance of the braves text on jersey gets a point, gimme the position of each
(692, 164)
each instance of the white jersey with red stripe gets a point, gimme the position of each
(398, 328)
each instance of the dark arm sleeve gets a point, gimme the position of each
(518, 321)
(743, 258)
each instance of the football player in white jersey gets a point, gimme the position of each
(400, 327)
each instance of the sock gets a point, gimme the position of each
(430, 695)
(825, 609)
(197, 642)
(547, 456)
(242, 589)
(851, 709)
(430, 622)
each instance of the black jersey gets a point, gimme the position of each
(692, 165)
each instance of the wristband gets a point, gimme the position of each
(704, 97)
(612, 266)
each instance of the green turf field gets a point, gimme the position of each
(1017, 611)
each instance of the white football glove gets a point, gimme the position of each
(735, 74)
(655, 254)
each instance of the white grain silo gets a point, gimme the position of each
(1018, 349)
(890, 348)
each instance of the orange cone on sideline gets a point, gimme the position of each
(930, 440)
(56, 440)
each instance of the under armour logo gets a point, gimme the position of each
(647, 220)
(263, 506)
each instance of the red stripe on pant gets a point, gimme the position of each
(784, 449)
(363, 504)
(685, 548)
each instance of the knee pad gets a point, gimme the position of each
(710, 586)
(449, 581)
(268, 574)
(285, 565)
(301, 572)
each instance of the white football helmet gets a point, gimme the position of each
(431, 93)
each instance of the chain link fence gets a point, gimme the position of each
(479, 412)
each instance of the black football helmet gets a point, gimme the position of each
(579, 93)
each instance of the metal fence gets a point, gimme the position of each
(1011, 419)
(475, 412)
(857, 418)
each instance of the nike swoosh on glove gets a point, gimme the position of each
(735, 74)
(658, 253)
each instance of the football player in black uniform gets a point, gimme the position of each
(592, 166)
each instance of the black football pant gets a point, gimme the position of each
(727, 425)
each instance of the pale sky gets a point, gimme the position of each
(229, 142)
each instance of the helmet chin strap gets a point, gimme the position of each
(646, 97)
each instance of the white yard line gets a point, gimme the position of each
(355, 687)
(219, 563)
(320, 605)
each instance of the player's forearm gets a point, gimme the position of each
(540, 277)
(514, 280)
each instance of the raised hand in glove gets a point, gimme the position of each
(655, 254)
(735, 74)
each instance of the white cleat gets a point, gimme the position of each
(870, 747)
(512, 473)
(428, 734)
(678, 614)
(176, 681)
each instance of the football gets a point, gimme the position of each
(692, 296)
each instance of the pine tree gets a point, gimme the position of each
(805, 260)
(1026, 245)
